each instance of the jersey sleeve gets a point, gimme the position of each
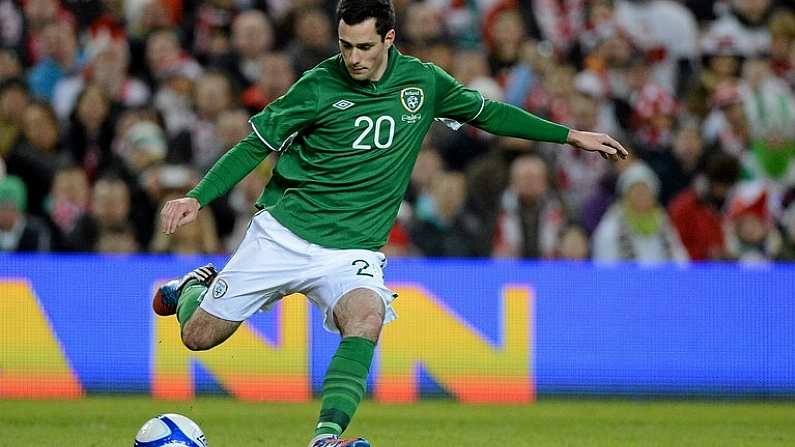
(455, 104)
(281, 121)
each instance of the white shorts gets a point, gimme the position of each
(272, 262)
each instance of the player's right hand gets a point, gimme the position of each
(178, 212)
(603, 144)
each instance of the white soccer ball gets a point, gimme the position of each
(170, 430)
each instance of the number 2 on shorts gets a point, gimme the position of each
(361, 270)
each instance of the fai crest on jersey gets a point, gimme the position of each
(219, 289)
(412, 98)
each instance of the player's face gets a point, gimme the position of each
(364, 52)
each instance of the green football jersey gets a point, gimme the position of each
(348, 147)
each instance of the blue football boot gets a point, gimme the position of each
(333, 441)
(166, 296)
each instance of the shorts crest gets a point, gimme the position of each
(219, 289)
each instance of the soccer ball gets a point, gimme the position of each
(170, 430)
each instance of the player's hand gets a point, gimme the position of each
(604, 144)
(178, 212)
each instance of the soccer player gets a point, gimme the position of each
(348, 133)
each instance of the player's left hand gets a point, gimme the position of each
(604, 144)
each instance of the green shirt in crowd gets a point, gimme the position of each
(347, 148)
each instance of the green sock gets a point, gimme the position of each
(344, 385)
(190, 297)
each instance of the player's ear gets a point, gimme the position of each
(389, 38)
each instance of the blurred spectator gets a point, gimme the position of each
(144, 16)
(504, 34)
(603, 195)
(212, 95)
(11, 25)
(441, 225)
(722, 55)
(232, 126)
(552, 97)
(578, 171)
(782, 44)
(10, 66)
(117, 239)
(770, 108)
(90, 133)
(313, 41)
(667, 34)
(110, 209)
(572, 244)
(751, 234)
(143, 146)
(654, 110)
(108, 70)
(636, 228)
(33, 157)
(747, 21)
(13, 98)
(421, 26)
(38, 14)
(211, 28)
(252, 37)
(165, 56)
(556, 21)
(19, 232)
(727, 127)
(530, 215)
(788, 226)
(68, 202)
(698, 212)
(428, 166)
(398, 242)
(677, 168)
(487, 178)
(62, 58)
(174, 100)
(469, 66)
(275, 77)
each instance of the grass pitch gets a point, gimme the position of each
(113, 421)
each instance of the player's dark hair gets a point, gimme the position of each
(354, 12)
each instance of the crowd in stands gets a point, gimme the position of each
(108, 108)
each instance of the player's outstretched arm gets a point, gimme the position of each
(604, 144)
(507, 120)
(178, 212)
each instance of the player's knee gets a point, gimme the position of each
(365, 323)
(360, 313)
(368, 327)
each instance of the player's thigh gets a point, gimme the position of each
(356, 275)
(204, 331)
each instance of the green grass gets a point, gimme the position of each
(113, 421)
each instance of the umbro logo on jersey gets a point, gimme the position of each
(342, 104)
